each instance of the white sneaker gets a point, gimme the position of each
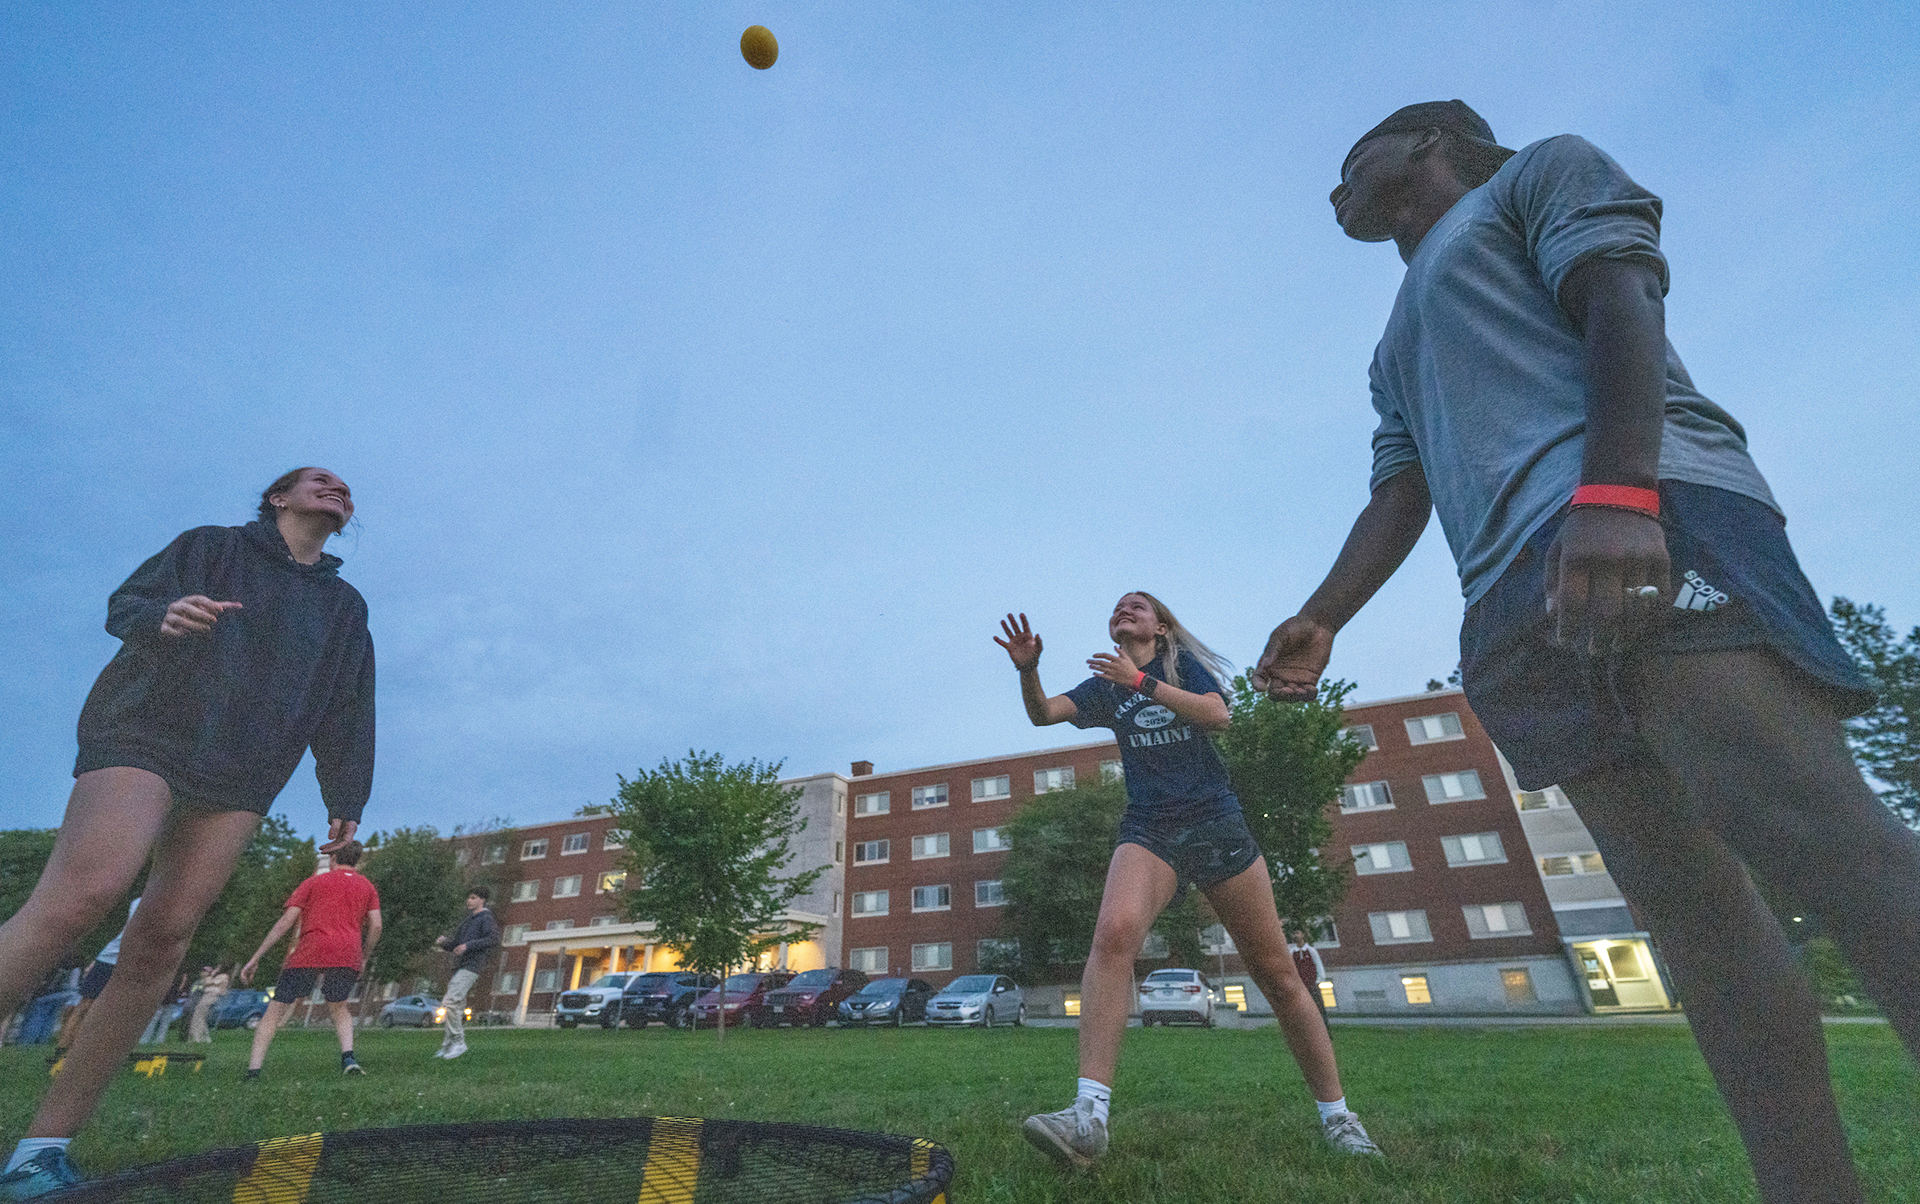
(1345, 1133)
(1072, 1135)
(455, 1052)
(441, 1052)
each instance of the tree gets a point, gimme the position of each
(707, 845)
(422, 894)
(1288, 761)
(274, 862)
(1886, 740)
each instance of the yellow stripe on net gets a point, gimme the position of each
(673, 1162)
(922, 1162)
(282, 1171)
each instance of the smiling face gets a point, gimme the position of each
(1375, 182)
(317, 491)
(1133, 619)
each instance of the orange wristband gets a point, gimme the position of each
(1619, 497)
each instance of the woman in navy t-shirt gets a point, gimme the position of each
(1160, 692)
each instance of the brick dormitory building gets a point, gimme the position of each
(1468, 895)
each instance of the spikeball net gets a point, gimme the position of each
(648, 1160)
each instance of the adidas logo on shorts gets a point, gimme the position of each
(1696, 594)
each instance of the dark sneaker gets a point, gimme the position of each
(349, 1066)
(253, 1076)
(1345, 1133)
(47, 1171)
(1072, 1135)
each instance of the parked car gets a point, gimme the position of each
(982, 999)
(894, 1001)
(239, 1009)
(591, 1001)
(813, 997)
(1167, 996)
(665, 997)
(420, 1011)
(746, 999)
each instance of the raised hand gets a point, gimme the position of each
(339, 832)
(193, 615)
(1022, 645)
(1296, 655)
(1116, 666)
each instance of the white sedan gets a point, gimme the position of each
(1167, 996)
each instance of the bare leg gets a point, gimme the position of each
(342, 1025)
(194, 857)
(270, 1023)
(1139, 886)
(1245, 905)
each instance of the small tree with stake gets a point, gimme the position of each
(707, 845)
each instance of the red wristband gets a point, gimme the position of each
(1619, 497)
(1140, 680)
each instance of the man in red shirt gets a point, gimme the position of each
(330, 909)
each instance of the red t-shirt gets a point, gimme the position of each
(332, 906)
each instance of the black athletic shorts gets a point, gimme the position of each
(95, 979)
(296, 983)
(1202, 854)
(1557, 714)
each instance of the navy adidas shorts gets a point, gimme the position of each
(1202, 854)
(296, 983)
(1557, 714)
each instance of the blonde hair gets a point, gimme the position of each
(1177, 640)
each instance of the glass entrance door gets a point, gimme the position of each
(1620, 974)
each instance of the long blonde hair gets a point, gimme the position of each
(1177, 640)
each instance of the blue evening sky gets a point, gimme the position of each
(688, 405)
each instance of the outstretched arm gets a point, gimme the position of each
(1298, 650)
(1023, 648)
(288, 919)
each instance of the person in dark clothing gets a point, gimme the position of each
(241, 648)
(471, 942)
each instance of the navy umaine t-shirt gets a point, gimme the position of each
(1174, 773)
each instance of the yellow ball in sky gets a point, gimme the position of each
(758, 47)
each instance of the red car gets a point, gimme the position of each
(746, 999)
(813, 997)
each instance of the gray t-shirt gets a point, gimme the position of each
(1478, 377)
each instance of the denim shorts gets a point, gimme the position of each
(1557, 714)
(1202, 854)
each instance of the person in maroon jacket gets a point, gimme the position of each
(1307, 963)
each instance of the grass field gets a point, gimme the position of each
(1554, 1114)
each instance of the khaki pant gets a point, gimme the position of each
(455, 1001)
(197, 1031)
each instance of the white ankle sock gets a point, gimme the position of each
(29, 1146)
(1100, 1094)
(1330, 1108)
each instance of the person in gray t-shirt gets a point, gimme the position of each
(1637, 628)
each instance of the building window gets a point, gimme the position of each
(1543, 800)
(992, 894)
(1234, 994)
(872, 804)
(1111, 772)
(1519, 985)
(1626, 963)
(1496, 920)
(559, 925)
(933, 957)
(533, 850)
(546, 980)
(990, 840)
(612, 840)
(1415, 985)
(995, 951)
(462, 856)
(869, 902)
(507, 983)
(516, 934)
(1385, 857)
(611, 882)
(988, 789)
(871, 852)
(567, 887)
(873, 960)
(1329, 933)
(1155, 946)
(1045, 780)
(1572, 863)
(1365, 796)
(526, 892)
(1326, 994)
(1453, 787)
(1361, 734)
(496, 854)
(575, 842)
(929, 796)
(1480, 848)
(1070, 1003)
(933, 844)
(932, 898)
(1432, 729)
(839, 802)
(602, 921)
(1399, 927)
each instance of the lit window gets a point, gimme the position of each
(1235, 995)
(574, 843)
(1543, 800)
(869, 902)
(990, 840)
(526, 892)
(1070, 1003)
(1112, 771)
(1518, 984)
(1365, 796)
(1452, 787)
(508, 983)
(1045, 780)
(985, 789)
(933, 957)
(934, 844)
(1385, 857)
(871, 852)
(992, 894)
(531, 850)
(615, 880)
(932, 898)
(1399, 927)
(1326, 994)
(873, 960)
(1415, 985)
(1361, 734)
(1490, 920)
(1625, 960)
(496, 853)
(567, 887)
(929, 796)
(1572, 863)
(516, 934)
(872, 804)
(1478, 848)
